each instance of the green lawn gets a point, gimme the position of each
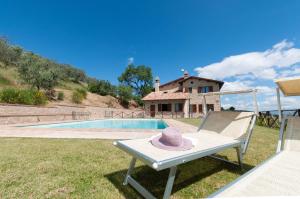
(74, 168)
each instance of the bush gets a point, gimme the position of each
(77, 97)
(25, 96)
(82, 91)
(102, 87)
(60, 96)
(9, 95)
(125, 95)
(39, 98)
(138, 100)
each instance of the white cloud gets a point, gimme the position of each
(256, 70)
(130, 60)
(266, 90)
(263, 65)
(235, 86)
(244, 85)
(270, 103)
(245, 77)
(295, 71)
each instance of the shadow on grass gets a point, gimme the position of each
(186, 175)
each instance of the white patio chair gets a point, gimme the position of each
(218, 131)
(279, 176)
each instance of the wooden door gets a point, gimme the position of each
(152, 110)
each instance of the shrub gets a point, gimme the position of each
(102, 87)
(9, 95)
(125, 95)
(77, 97)
(40, 98)
(138, 100)
(25, 97)
(82, 91)
(60, 96)
(22, 96)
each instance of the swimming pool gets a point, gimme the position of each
(111, 123)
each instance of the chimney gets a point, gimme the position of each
(185, 74)
(157, 84)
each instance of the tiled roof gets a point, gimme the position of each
(165, 96)
(182, 79)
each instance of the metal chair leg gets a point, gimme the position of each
(170, 182)
(240, 156)
(131, 166)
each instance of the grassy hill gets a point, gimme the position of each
(9, 78)
(29, 78)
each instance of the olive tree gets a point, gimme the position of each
(9, 55)
(38, 72)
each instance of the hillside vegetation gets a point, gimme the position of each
(9, 78)
(41, 81)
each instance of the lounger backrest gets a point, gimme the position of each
(292, 135)
(228, 123)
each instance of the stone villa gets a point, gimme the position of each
(180, 97)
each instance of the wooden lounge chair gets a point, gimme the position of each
(218, 131)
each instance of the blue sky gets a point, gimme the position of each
(100, 37)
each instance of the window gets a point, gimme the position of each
(190, 89)
(199, 89)
(164, 107)
(193, 108)
(180, 87)
(200, 108)
(178, 107)
(205, 89)
(210, 107)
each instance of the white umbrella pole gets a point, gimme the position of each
(279, 104)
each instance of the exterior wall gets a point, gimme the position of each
(187, 111)
(199, 83)
(215, 100)
(198, 100)
(15, 114)
(165, 114)
(195, 99)
(172, 86)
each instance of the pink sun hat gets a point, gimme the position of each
(172, 140)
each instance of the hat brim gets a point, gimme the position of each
(186, 144)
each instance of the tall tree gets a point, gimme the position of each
(9, 54)
(38, 72)
(139, 78)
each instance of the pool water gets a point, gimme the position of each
(111, 123)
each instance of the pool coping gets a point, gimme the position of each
(36, 125)
(71, 121)
(86, 133)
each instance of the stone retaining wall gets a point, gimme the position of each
(14, 114)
